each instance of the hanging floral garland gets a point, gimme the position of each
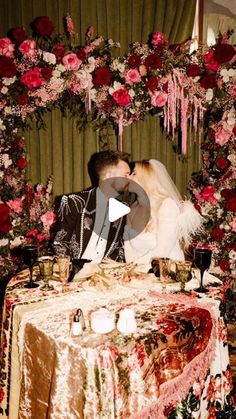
(39, 72)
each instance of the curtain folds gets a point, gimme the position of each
(62, 150)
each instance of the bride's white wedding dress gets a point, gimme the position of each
(172, 223)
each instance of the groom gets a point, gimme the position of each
(85, 230)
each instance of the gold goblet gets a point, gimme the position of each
(183, 271)
(46, 270)
(63, 262)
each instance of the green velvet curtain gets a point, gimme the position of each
(64, 151)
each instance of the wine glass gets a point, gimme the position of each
(202, 261)
(29, 256)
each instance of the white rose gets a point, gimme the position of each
(7, 110)
(7, 81)
(4, 90)
(209, 95)
(231, 72)
(16, 242)
(226, 79)
(49, 57)
(4, 242)
(223, 72)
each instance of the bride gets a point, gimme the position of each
(171, 223)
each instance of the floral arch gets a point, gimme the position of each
(195, 90)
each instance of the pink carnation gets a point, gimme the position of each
(48, 219)
(15, 205)
(158, 99)
(122, 97)
(158, 38)
(222, 136)
(208, 194)
(6, 47)
(132, 76)
(27, 47)
(71, 62)
(233, 224)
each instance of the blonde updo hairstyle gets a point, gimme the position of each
(156, 193)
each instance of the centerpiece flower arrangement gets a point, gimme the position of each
(41, 71)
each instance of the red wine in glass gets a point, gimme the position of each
(29, 256)
(202, 261)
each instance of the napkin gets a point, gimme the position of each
(88, 270)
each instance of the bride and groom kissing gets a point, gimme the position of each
(158, 223)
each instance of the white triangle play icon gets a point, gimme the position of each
(116, 209)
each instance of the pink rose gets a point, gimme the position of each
(157, 38)
(222, 136)
(233, 224)
(132, 76)
(27, 47)
(122, 97)
(71, 62)
(15, 205)
(158, 99)
(32, 78)
(48, 219)
(6, 47)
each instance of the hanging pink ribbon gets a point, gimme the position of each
(120, 133)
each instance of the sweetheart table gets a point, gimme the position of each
(175, 365)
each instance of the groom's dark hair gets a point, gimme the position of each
(99, 161)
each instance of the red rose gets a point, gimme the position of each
(59, 51)
(32, 78)
(32, 233)
(21, 163)
(234, 130)
(208, 81)
(17, 35)
(5, 224)
(231, 204)
(81, 54)
(224, 265)
(134, 61)
(193, 70)
(22, 100)
(228, 193)
(223, 53)
(217, 234)
(7, 67)
(153, 61)
(43, 26)
(4, 212)
(46, 72)
(222, 163)
(107, 104)
(211, 135)
(121, 96)
(152, 83)
(102, 76)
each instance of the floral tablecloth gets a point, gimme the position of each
(176, 365)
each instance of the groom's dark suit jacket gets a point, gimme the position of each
(77, 217)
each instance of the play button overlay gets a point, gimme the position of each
(121, 205)
(117, 210)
